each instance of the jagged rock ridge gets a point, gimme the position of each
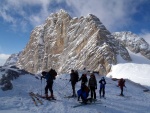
(133, 42)
(66, 43)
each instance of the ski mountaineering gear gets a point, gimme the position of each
(49, 76)
(34, 98)
(90, 101)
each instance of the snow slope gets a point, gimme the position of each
(138, 70)
(18, 100)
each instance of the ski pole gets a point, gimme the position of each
(41, 86)
(126, 89)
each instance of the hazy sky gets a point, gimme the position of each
(19, 17)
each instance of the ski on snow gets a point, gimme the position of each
(124, 96)
(83, 104)
(35, 99)
(89, 102)
(69, 96)
(49, 98)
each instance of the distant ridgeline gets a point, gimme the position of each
(66, 43)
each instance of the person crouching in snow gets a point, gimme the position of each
(102, 87)
(83, 93)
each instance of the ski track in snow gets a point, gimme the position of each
(19, 101)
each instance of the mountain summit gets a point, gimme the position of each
(65, 43)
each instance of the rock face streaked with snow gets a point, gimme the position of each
(133, 42)
(66, 43)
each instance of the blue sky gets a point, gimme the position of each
(19, 17)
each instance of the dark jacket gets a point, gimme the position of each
(49, 76)
(83, 79)
(121, 82)
(74, 77)
(92, 82)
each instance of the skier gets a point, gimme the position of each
(83, 93)
(74, 76)
(121, 84)
(49, 76)
(83, 79)
(92, 85)
(102, 87)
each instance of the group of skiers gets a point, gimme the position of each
(87, 86)
(83, 92)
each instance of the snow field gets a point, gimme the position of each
(19, 101)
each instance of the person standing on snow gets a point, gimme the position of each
(102, 87)
(92, 85)
(74, 76)
(49, 76)
(121, 84)
(83, 79)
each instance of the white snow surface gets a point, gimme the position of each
(19, 101)
(138, 70)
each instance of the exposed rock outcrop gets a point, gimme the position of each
(66, 43)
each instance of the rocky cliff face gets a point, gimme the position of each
(133, 42)
(65, 43)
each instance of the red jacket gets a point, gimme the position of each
(121, 82)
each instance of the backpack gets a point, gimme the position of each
(53, 73)
(76, 76)
(121, 82)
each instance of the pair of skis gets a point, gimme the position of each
(35, 99)
(92, 102)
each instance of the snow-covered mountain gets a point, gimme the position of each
(133, 42)
(12, 60)
(63, 43)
